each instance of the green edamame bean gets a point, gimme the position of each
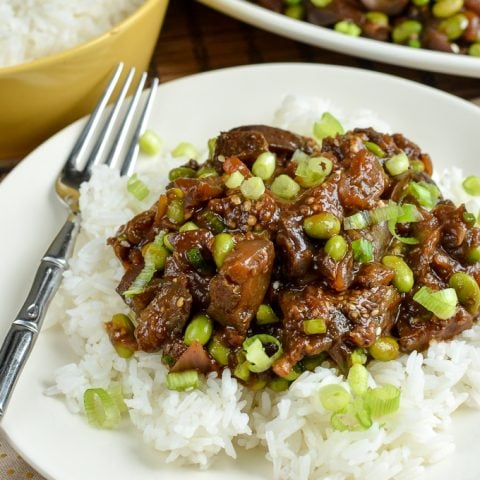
(454, 26)
(385, 349)
(403, 279)
(468, 291)
(446, 8)
(199, 329)
(336, 247)
(322, 225)
(405, 31)
(223, 244)
(348, 27)
(473, 255)
(474, 50)
(378, 18)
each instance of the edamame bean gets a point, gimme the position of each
(199, 329)
(454, 26)
(473, 255)
(405, 31)
(385, 349)
(403, 279)
(336, 247)
(223, 244)
(322, 225)
(468, 291)
(446, 8)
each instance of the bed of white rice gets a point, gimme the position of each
(291, 427)
(31, 29)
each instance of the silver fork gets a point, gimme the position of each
(24, 330)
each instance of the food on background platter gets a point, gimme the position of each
(443, 25)
(299, 267)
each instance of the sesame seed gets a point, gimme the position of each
(180, 302)
(375, 312)
(251, 220)
(236, 200)
(310, 200)
(247, 206)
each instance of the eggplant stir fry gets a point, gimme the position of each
(281, 252)
(442, 25)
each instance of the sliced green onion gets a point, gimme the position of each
(375, 149)
(212, 143)
(252, 188)
(175, 211)
(311, 171)
(137, 188)
(327, 126)
(364, 218)
(358, 356)
(383, 400)
(358, 379)
(362, 412)
(285, 187)
(266, 315)
(155, 256)
(185, 149)
(314, 326)
(397, 164)
(188, 227)
(213, 222)
(234, 180)
(242, 371)
(409, 214)
(205, 172)
(150, 143)
(116, 394)
(100, 408)
(294, 373)
(442, 303)
(334, 397)
(218, 351)
(426, 194)
(195, 258)
(256, 355)
(362, 250)
(472, 185)
(264, 165)
(181, 172)
(278, 384)
(181, 381)
(312, 362)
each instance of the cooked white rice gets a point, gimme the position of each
(31, 29)
(292, 427)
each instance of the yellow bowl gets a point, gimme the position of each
(40, 97)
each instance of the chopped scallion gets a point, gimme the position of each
(264, 165)
(181, 381)
(327, 126)
(234, 180)
(311, 171)
(426, 194)
(266, 315)
(101, 409)
(358, 379)
(362, 250)
(285, 187)
(397, 164)
(364, 218)
(256, 355)
(252, 188)
(442, 303)
(137, 188)
(383, 400)
(314, 326)
(375, 149)
(150, 143)
(185, 149)
(188, 227)
(334, 398)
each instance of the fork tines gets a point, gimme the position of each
(119, 132)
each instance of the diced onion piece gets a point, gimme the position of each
(266, 315)
(100, 408)
(185, 149)
(252, 188)
(137, 188)
(285, 187)
(234, 180)
(334, 398)
(264, 165)
(181, 381)
(358, 379)
(383, 400)
(362, 250)
(256, 355)
(150, 143)
(442, 303)
(327, 126)
(426, 194)
(397, 164)
(471, 185)
(314, 326)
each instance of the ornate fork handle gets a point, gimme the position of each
(24, 330)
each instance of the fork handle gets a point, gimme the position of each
(24, 329)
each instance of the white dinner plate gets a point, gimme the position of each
(362, 47)
(61, 445)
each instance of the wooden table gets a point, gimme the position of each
(196, 39)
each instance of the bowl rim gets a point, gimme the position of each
(71, 51)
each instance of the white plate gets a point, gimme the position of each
(60, 445)
(362, 47)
